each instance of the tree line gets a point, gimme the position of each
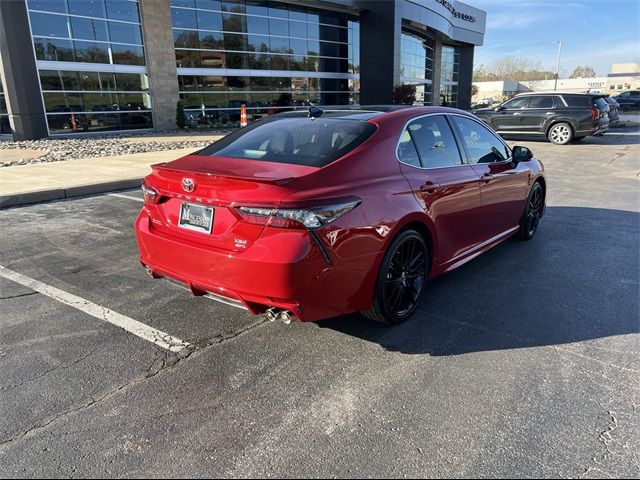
(522, 70)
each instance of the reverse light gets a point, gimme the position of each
(150, 193)
(311, 217)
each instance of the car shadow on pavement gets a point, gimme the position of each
(577, 280)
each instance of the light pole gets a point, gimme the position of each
(555, 86)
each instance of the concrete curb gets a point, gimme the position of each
(40, 196)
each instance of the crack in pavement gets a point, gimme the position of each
(62, 366)
(150, 372)
(19, 295)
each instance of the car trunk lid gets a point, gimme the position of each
(220, 185)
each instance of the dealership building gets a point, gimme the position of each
(87, 66)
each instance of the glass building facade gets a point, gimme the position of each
(416, 66)
(118, 65)
(449, 72)
(112, 91)
(269, 56)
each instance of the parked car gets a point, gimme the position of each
(613, 110)
(562, 117)
(319, 214)
(69, 120)
(629, 99)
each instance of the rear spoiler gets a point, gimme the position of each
(237, 169)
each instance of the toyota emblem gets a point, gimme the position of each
(188, 184)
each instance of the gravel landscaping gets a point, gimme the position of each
(61, 149)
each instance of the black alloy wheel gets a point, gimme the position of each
(532, 212)
(401, 280)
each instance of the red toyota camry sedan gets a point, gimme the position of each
(311, 215)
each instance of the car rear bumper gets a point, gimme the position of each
(284, 269)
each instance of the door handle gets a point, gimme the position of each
(486, 178)
(429, 187)
(517, 113)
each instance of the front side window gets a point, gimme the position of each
(482, 145)
(517, 103)
(434, 142)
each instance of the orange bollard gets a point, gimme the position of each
(243, 115)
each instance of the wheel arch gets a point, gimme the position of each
(421, 224)
(543, 183)
(555, 121)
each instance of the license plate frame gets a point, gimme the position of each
(204, 225)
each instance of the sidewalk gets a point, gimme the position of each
(25, 184)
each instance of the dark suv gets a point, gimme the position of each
(628, 99)
(562, 117)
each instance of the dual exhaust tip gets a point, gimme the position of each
(275, 313)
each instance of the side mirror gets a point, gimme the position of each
(521, 154)
(500, 108)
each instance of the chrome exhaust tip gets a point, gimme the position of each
(272, 314)
(286, 317)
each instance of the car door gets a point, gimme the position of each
(508, 115)
(446, 188)
(540, 108)
(503, 185)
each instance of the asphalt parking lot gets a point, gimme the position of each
(525, 362)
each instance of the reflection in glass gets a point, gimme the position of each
(89, 29)
(127, 54)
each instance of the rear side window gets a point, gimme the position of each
(577, 101)
(434, 142)
(295, 140)
(541, 102)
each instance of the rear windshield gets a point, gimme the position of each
(297, 141)
(600, 102)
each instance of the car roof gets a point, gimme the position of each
(358, 113)
(374, 111)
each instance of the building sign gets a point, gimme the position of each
(455, 13)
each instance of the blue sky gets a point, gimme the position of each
(596, 33)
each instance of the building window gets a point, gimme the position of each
(5, 128)
(95, 101)
(449, 69)
(416, 69)
(283, 40)
(91, 31)
(97, 32)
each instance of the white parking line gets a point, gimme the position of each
(120, 195)
(161, 339)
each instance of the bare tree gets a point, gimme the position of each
(583, 72)
(513, 68)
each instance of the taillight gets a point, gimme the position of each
(150, 193)
(595, 113)
(308, 217)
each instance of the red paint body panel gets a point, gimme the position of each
(262, 265)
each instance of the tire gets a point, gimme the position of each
(401, 279)
(532, 212)
(560, 133)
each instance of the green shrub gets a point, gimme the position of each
(180, 120)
